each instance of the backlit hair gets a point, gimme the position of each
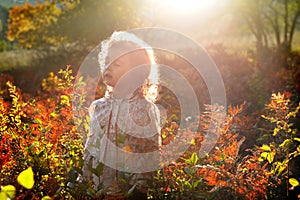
(150, 87)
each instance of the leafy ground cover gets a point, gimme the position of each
(42, 138)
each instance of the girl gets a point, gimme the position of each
(124, 125)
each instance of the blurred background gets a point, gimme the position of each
(254, 43)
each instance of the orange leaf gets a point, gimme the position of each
(127, 148)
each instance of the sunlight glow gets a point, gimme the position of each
(185, 6)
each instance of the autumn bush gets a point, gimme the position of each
(257, 80)
(267, 171)
(220, 174)
(40, 133)
(282, 146)
(36, 25)
(45, 133)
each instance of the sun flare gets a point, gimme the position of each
(186, 6)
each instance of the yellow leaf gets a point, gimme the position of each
(293, 182)
(286, 143)
(193, 142)
(276, 130)
(65, 100)
(3, 196)
(26, 178)
(263, 154)
(9, 190)
(297, 139)
(271, 156)
(265, 147)
(46, 198)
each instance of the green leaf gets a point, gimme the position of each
(9, 190)
(90, 191)
(99, 169)
(121, 138)
(195, 184)
(94, 171)
(38, 121)
(293, 182)
(223, 156)
(264, 137)
(26, 178)
(188, 185)
(193, 159)
(190, 171)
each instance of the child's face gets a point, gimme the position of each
(128, 70)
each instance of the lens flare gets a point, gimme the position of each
(187, 6)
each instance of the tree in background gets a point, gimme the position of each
(3, 17)
(36, 25)
(61, 21)
(94, 20)
(272, 22)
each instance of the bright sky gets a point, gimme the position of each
(197, 16)
(188, 6)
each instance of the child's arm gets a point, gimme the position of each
(89, 144)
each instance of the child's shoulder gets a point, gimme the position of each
(98, 102)
(97, 105)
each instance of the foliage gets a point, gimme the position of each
(254, 86)
(25, 179)
(5, 45)
(39, 133)
(294, 77)
(65, 22)
(93, 21)
(7, 192)
(3, 18)
(41, 147)
(270, 20)
(34, 25)
(283, 152)
(220, 172)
